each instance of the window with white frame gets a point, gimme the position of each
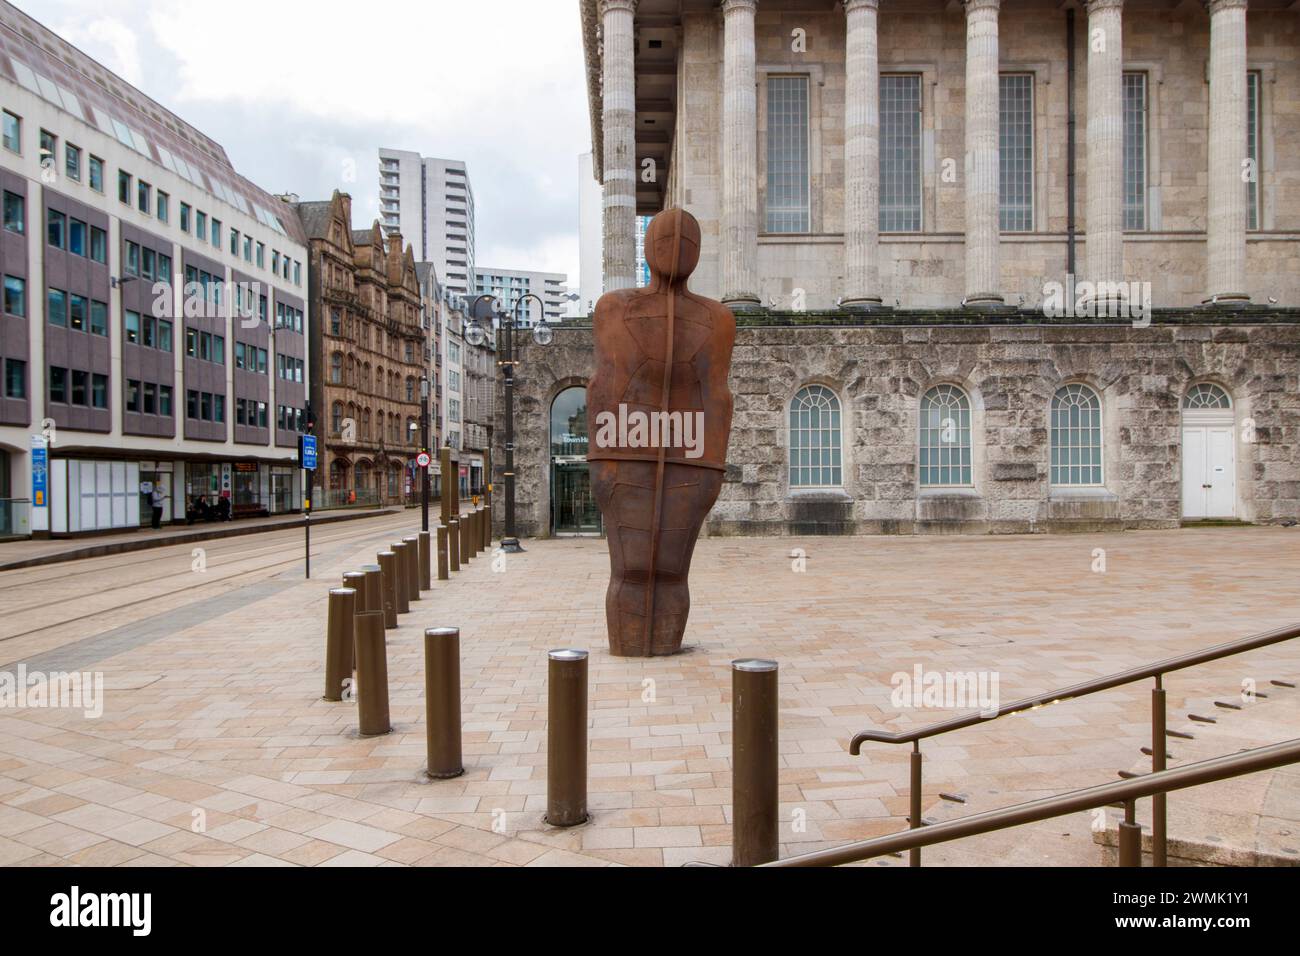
(787, 154)
(1135, 151)
(944, 454)
(1076, 436)
(1016, 152)
(900, 153)
(1206, 395)
(815, 439)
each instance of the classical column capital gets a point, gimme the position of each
(851, 5)
(733, 6)
(1096, 6)
(1214, 6)
(976, 6)
(608, 5)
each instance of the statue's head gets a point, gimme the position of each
(672, 245)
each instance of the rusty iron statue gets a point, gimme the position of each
(659, 417)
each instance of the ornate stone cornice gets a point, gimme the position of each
(851, 5)
(1214, 6)
(1095, 6)
(731, 6)
(608, 5)
(973, 6)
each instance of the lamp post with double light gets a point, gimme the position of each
(505, 325)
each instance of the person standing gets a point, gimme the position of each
(156, 499)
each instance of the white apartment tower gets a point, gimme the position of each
(431, 203)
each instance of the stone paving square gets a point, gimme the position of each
(217, 717)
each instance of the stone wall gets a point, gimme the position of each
(1010, 366)
(926, 270)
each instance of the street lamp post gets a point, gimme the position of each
(475, 335)
(424, 447)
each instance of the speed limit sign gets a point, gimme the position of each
(422, 459)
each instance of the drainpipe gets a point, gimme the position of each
(1069, 141)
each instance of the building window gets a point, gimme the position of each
(900, 153)
(56, 307)
(787, 154)
(15, 378)
(185, 217)
(1076, 436)
(56, 224)
(1135, 151)
(49, 148)
(815, 438)
(216, 233)
(15, 296)
(336, 368)
(163, 211)
(144, 193)
(1252, 149)
(72, 162)
(944, 444)
(15, 212)
(200, 224)
(261, 255)
(1206, 395)
(124, 186)
(58, 384)
(96, 174)
(13, 132)
(1016, 152)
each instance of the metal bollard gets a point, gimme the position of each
(412, 543)
(479, 515)
(453, 543)
(400, 584)
(388, 579)
(566, 738)
(466, 534)
(487, 527)
(442, 702)
(444, 570)
(372, 675)
(338, 641)
(753, 762)
(426, 569)
(356, 580)
(374, 590)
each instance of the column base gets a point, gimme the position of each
(867, 303)
(744, 302)
(1227, 300)
(986, 302)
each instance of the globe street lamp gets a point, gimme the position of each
(505, 325)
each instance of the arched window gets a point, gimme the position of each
(1206, 395)
(410, 389)
(1076, 436)
(365, 425)
(815, 439)
(336, 418)
(944, 440)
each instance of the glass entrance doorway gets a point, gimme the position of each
(573, 507)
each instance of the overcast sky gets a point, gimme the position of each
(302, 93)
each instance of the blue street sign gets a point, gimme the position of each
(307, 451)
(40, 477)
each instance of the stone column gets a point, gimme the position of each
(861, 157)
(983, 262)
(739, 157)
(1105, 195)
(618, 119)
(1226, 231)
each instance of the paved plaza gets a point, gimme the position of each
(214, 747)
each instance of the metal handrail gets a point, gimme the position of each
(1180, 662)
(1121, 791)
(1159, 733)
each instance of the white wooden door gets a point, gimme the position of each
(1209, 479)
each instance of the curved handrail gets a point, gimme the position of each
(1082, 690)
(1191, 775)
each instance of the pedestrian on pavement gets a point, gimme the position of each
(157, 499)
